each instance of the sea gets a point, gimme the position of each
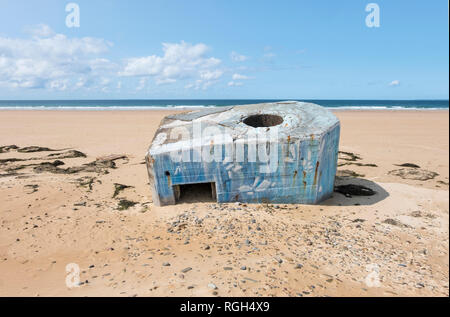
(149, 104)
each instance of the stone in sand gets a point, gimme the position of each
(67, 154)
(352, 189)
(32, 149)
(7, 148)
(118, 188)
(408, 165)
(414, 174)
(348, 173)
(124, 204)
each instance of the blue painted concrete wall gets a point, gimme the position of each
(307, 177)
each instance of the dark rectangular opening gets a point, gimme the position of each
(194, 193)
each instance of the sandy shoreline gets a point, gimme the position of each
(48, 220)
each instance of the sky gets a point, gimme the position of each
(227, 49)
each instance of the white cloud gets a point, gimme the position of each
(142, 83)
(165, 81)
(235, 57)
(211, 75)
(59, 84)
(234, 84)
(56, 62)
(268, 58)
(52, 61)
(179, 61)
(394, 83)
(239, 77)
(40, 30)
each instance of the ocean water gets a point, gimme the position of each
(200, 103)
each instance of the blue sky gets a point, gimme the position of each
(224, 49)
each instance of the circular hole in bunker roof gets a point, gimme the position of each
(263, 120)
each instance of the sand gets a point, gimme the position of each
(394, 243)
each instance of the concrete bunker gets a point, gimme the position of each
(284, 152)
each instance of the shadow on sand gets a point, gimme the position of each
(201, 193)
(338, 199)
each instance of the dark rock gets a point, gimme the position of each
(358, 164)
(414, 174)
(124, 204)
(348, 173)
(86, 181)
(118, 188)
(352, 189)
(32, 188)
(348, 156)
(50, 167)
(10, 160)
(32, 149)
(67, 154)
(394, 222)
(100, 165)
(412, 165)
(7, 148)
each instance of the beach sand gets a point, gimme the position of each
(394, 243)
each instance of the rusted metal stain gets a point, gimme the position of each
(287, 146)
(315, 173)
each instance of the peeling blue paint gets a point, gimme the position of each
(306, 147)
